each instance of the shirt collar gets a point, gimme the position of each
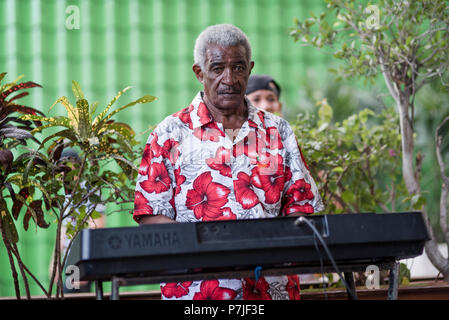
(201, 116)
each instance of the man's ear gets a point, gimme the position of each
(251, 66)
(198, 72)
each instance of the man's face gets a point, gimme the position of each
(225, 76)
(266, 100)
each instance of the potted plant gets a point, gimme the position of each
(69, 192)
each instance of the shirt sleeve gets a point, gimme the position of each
(154, 193)
(300, 191)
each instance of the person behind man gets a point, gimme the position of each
(264, 93)
(72, 156)
(221, 158)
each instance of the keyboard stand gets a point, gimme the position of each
(393, 282)
(347, 269)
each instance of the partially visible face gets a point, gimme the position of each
(225, 76)
(266, 100)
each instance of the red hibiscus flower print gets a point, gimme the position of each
(156, 149)
(254, 146)
(252, 123)
(294, 208)
(209, 290)
(261, 116)
(244, 192)
(146, 160)
(251, 146)
(141, 205)
(268, 164)
(238, 148)
(158, 179)
(256, 290)
(184, 116)
(170, 150)
(227, 215)
(180, 179)
(204, 114)
(300, 191)
(208, 132)
(269, 176)
(293, 288)
(220, 162)
(176, 290)
(207, 197)
(272, 138)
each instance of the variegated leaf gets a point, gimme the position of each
(72, 112)
(77, 90)
(120, 127)
(66, 133)
(20, 86)
(105, 111)
(51, 122)
(144, 99)
(84, 124)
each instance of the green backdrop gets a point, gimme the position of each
(146, 44)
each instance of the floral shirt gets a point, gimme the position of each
(192, 170)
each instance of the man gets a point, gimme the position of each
(221, 158)
(264, 93)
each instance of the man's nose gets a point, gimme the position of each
(228, 77)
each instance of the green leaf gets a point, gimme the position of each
(364, 114)
(84, 124)
(66, 133)
(100, 124)
(120, 160)
(348, 196)
(8, 224)
(119, 127)
(337, 170)
(105, 111)
(325, 112)
(93, 108)
(72, 112)
(95, 215)
(52, 122)
(418, 201)
(144, 99)
(77, 90)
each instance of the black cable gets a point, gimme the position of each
(315, 243)
(301, 220)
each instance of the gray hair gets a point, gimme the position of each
(225, 35)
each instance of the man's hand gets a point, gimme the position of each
(156, 219)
